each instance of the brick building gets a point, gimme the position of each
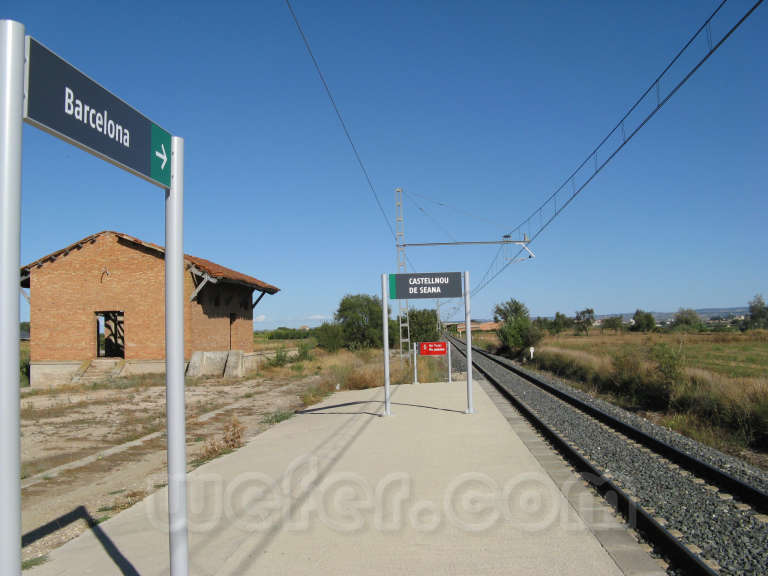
(104, 296)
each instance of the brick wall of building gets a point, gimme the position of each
(111, 274)
(105, 275)
(217, 310)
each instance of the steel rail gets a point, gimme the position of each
(638, 518)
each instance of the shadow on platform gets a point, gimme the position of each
(81, 513)
(333, 409)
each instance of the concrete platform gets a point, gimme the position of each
(339, 489)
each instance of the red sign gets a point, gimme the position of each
(432, 348)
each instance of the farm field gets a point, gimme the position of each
(733, 355)
(261, 341)
(712, 387)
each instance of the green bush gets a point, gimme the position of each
(758, 424)
(24, 368)
(329, 336)
(626, 372)
(423, 325)
(517, 334)
(668, 363)
(568, 368)
(655, 390)
(283, 333)
(305, 352)
(280, 358)
(360, 318)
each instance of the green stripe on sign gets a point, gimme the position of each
(160, 155)
(392, 287)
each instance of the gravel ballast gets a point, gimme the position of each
(736, 539)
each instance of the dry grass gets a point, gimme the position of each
(125, 501)
(30, 468)
(261, 342)
(36, 561)
(59, 409)
(277, 417)
(229, 441)
(485, 340)
(731, 354)
(360, 370)
(710, 405)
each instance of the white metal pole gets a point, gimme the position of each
(385, 323)
(449, 363)
(174, 358)
(468, 328)
(11, 112)
(415, 363)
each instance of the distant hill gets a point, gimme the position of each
(705, 313)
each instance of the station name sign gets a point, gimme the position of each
(425, 285)
(66, 103)
(432, 348)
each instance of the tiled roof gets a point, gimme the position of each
(214, 270)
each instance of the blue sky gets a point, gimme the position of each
(486, 106)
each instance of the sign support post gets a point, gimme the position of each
(449, 362)
(174, 362)
(468, 327)
(385, 324)
(11, 113)
(26, 72)
(415, 363)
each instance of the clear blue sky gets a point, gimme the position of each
(484, 105)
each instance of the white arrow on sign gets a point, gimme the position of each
(162, 156)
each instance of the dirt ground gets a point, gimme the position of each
(62, 427)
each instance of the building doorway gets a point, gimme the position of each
(110, 334)
(232, 318)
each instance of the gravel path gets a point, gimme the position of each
(735, 539)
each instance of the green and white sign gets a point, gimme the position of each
(425, 285)
(68, 104)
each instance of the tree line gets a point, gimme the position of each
(357, 324)
(518, 332)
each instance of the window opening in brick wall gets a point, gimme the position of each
(110, 334)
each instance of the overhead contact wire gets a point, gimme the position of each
(341, 120)
(626, 140)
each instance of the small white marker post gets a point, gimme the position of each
(468, 328)
(531, 352)
(385, 330)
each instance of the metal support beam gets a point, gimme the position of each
(385, 340)
(11, 110)
(521, 258)
(24, 293)
(174, 358)
(479, 242)
(468, 328)
(258, 300)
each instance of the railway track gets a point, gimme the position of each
(704, 519)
